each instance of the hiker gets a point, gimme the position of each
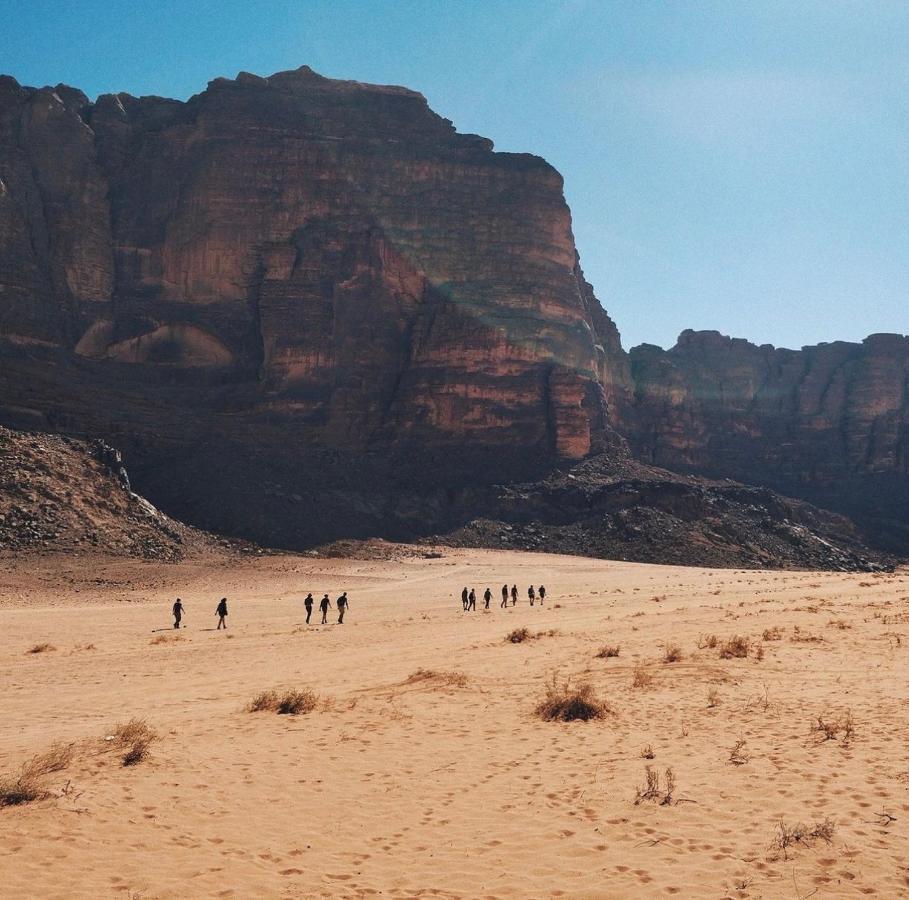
(464, 599)
(504, 602)
(178, 612)
(487, 596)
(472, 600)
(531, 594)
(324, 604)
(308, 602)
(222, 614)
(514, 594)
(342, 603)
(542, 594)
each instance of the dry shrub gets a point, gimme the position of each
(135, 737)
(42, 648)
(789, 835)
(519, 635)
(707, 641)
(842, 624)
(453, 679)
(563, 703)
(641, 677)
(805, 637)
(830, 729)
(773, 634)
(607, 652)
(736, 647)
(647, 752)
(166, 638)
(672, 653)
(288, 703)
(713, 698)
(738, 755)
(26, 786)
(651, 790)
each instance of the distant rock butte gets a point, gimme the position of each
(309, 309)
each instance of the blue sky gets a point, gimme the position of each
(742, 166)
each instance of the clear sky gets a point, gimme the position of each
(735, 165)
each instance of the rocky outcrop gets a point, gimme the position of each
(830, 423)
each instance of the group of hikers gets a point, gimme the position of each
(342, 603)
(469, 598)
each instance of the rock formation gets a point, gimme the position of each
(309, 309)
(830, 423)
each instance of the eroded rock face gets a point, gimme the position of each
(830, 422)
(288, 270)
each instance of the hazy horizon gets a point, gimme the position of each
(728, 168)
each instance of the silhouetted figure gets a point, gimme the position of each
(342, 603)
(222, 613)
(531, 594)
(178, 612)
(464, 598)
(308, 602)
(504, 602)
(542, 594)
(487, 596)
(324, 604)
(514, 594)
(472, 600)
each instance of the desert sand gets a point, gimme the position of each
(445, 786)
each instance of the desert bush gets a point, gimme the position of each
(713, 698)
(789, 835)
(651, 790)
(264, 700)
(286, 703)
(738, 755)
(842, 727)
(707, 641)
(518, 636)
(166, 639)
(607, 652)
(672, 653)
(641, 677)
(563, 703)
(26, 786)
(735, 647)
(42, 648)
(647, 752)
(135, 737)
(454, 679)
(773, 634)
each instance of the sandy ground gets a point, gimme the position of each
(425, 788)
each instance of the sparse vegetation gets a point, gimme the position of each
(736, 647)
(830, 729)
(135, 737)
(286, 703)
(520, 635)
(641, 677)
(607, 652)
(452, 679)
(789, 835)
(773, 634)
(707, 641)
(738, 755)
(713, 698)
(647, 752)
(166, 638)
(27, 785)
(564, 703)
(672, 653)
(651, 789)
(42, 648)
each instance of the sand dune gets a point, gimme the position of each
(408, 786)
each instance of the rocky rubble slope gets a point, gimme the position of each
(57, 493)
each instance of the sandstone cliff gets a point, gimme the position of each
(830, 423)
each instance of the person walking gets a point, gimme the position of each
(504, 602)
(514, 594)
(472, 600)
(178, 612)
(487, 596)
(542, 594)
(308, 602)
(342, 603)
(324, 604)
(531, 594)
(221, 610)
(464, 598)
